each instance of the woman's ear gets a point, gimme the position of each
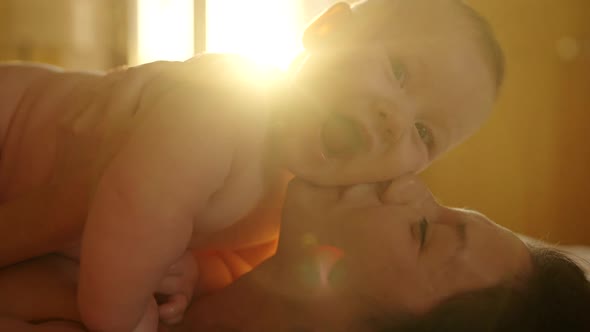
(325, 29)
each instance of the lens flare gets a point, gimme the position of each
(266, 31)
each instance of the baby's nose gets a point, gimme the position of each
(406, 190)
(389, 122)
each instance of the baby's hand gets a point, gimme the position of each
(176, 289)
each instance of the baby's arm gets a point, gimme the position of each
(142, 216)
(175, 291)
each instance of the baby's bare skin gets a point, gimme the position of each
(191, 156)
(30, 111)
(187, 168)
(33, 185)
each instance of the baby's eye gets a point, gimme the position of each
(425, 134)
(399, 71)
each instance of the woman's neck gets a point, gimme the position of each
(252, 304)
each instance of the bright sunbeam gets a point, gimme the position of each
(266, 31)
(164, 30)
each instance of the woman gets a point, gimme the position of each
(381, 257)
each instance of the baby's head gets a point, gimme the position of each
(388, 86)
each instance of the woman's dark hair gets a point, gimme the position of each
(554, 297)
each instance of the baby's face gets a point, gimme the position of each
(380, 107)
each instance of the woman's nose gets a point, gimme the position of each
(453, 216)
(406, 190)
(450, 216)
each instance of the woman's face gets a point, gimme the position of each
(386, 248)
(350, 254)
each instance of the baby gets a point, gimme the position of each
(191, 148)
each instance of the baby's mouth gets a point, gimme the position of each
(341, 137)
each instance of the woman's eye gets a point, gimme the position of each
(423, 229)
(425, 134)
(399, 71)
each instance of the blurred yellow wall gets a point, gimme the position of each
(77, 34)
(529, 167)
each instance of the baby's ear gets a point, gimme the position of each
(324, 31)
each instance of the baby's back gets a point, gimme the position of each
(33, 99)
(38, 104)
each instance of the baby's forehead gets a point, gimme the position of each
(394, 17)
(421, 26)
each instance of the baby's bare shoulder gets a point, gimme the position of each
(215, 93)
(15, 80)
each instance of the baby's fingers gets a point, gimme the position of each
(172, 310)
